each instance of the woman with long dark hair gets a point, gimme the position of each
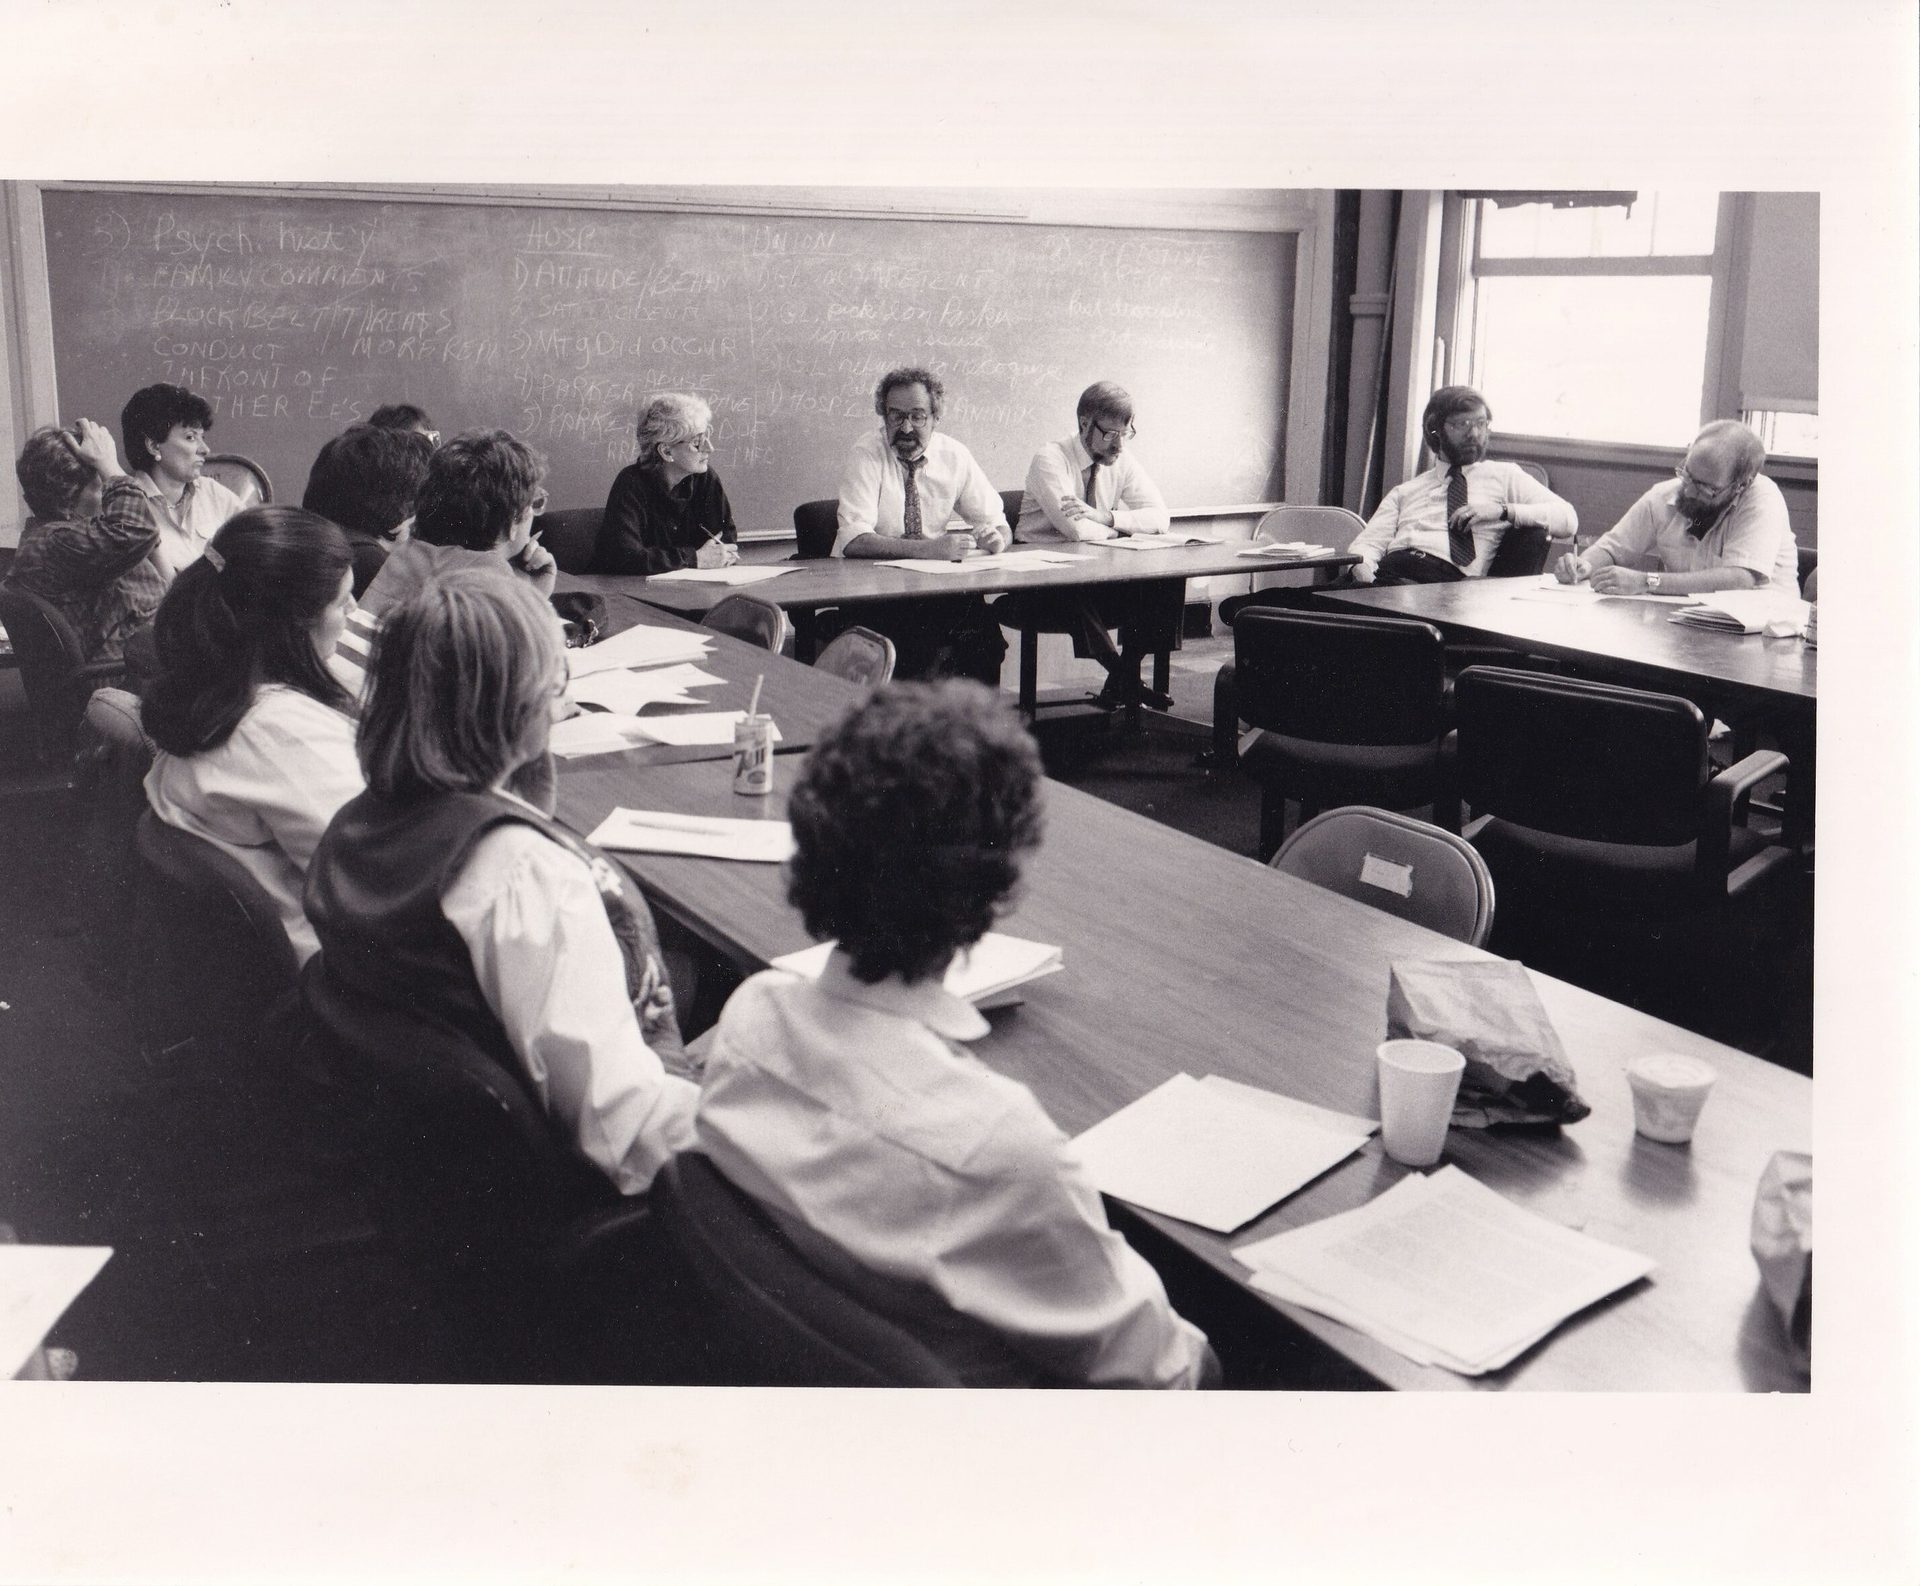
(255, 735)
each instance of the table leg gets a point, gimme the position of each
(806, 635)
(1029, 672)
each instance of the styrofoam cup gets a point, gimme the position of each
(1669, 1089)
(1418, 1081)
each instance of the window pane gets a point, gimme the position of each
(1658, 223)
(1618, 358)
(1787, 434)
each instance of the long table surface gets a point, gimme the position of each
(825, 581)
(1634, 636)
(1183, 957)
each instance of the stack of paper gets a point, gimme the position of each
(1160, 542)
(1214, 1152)
(639, 646)
(718, 575)
(981, 561)
(630, 692)
(1283, 548)
(709, 836)
(1443, 1270)
(992, 966)
(1746, 611)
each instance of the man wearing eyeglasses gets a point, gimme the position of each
(901, 488)
(1718, 524)
(1091, 487)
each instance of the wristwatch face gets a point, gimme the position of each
(1653, 581)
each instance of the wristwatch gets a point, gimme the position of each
(1653, 583)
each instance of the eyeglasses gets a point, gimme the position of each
(1462, 424)
(915, 417)
(1109, 431)
(538, 504)
(1704, 490)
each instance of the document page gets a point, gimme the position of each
(639, 646)
(718, 575)
(979, 562)
(705, 836)
(630, 692)
(994, 964)
(1207, 1156)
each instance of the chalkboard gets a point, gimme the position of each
(294, 316)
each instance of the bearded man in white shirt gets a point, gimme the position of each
(1090, 487)
(902, 486)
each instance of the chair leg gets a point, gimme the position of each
(1273, 819)
(1029, 670)
(1225, 750)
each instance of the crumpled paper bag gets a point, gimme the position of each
(1782, 1241)
(1517, 1071)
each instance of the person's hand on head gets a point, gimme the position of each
(94, 443)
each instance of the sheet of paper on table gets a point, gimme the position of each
(37, 1284)
(993, 965)
(705, 836)
(639, 646)
(718, 575)
(1547, 587)
(979, 562)
(629, 692)
(1444, 1270)
(1284, 548)
(1746, 611)
(696, 727)
(1207, 1154)
(1158, 542)
(602, 732)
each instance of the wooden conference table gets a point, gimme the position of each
(1181, 956)
(816, 584)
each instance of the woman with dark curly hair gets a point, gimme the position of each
(934, 1188)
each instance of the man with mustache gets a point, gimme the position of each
(1719, 524)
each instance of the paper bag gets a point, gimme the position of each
(1517, 1070)
(1782, 1241)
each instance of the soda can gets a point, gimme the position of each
(753, 756)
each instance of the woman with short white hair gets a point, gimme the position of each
(668, 509)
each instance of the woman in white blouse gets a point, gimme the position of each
(448, 895)
(255, 734)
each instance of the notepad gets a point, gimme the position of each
(639, 646)
(718, 575)
(1289, 548)
(37, 1284)
(705, 836)
(1746, 611)
(1444, 1270)
(1207, 1153)
(993, 966)
(630, 692)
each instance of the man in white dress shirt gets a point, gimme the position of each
(1090, 487)
(902, 486)
(1719, 524)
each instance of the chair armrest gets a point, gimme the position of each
(1727, 793)
(1226, 721)
(102, 671)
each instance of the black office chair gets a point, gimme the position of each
(816, 524)
(243, 476)
(1349, 710)
(1808, 558)
(517, 1240)
(860, 656)
(752, 620)
(571, 536)
(54, 671)
(1595, 802)
(212, 971)
(756, 1313)
(1398, 865)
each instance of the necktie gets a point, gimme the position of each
(1093, 473)
(1459, 537)
(910, 519)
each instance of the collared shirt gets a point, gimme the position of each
(950, 483)
(1121, 487)
(186, 525)
(852, 1109)
(1414, 514)
(97, 571)
(648, 528)
(1754, 534)
(413, 564)
(550, 968)
(266, 794)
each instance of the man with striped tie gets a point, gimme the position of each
(1447, 523)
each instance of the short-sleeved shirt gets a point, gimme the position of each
(1755, 535)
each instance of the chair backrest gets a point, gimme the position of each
(816, 524)
(1581, 759)
(1537, 470)
(770, 1319)
(1338, 678)
(1333, 527)
(1011, 501)
(571, 536)
(211, 959)
(1522, 553)
(50, 658)
(1808, 558)
(243, 476)
(752, 619)
(1396, 864)
(860, 656)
